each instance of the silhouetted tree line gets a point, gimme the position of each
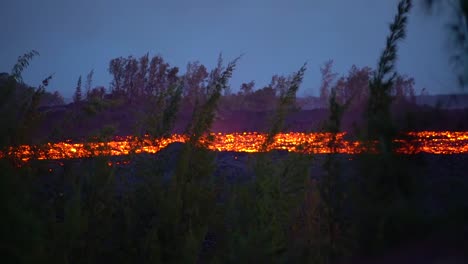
(354, 86)
(22, 89)
(133, 78)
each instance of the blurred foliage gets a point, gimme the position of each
(459, 34)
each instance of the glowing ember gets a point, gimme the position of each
(418, 142)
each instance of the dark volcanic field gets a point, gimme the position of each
(439, 191)
(79, 122)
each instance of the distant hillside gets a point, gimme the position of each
(448, 101)
(445, 101)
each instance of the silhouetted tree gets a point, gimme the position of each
(262, 99)
(287, 102)
(137, 78)
(381, 84)
(142, 75)
(280, 84)
(217, 71)
(116, 68)
(357, 85)
(260, 232)
(157, 76)
(51, 99)
(172, 77)
(403, 89)
(195, 80)
(328, 77)
(97, 93)
(130, 79)
(383, 178)
(77, 95)
(247, 88)
(89, 83)
(351, 87)
(19, 103)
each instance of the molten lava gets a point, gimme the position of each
(416, 142)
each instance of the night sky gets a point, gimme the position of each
(277, 37)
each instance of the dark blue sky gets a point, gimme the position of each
(277, 37)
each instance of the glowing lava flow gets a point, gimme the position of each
(417, 142)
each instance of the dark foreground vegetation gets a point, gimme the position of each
(189, 205)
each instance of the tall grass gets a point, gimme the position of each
(379, 195)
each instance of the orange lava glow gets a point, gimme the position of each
(313, 143)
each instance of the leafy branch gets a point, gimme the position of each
(21, 64)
